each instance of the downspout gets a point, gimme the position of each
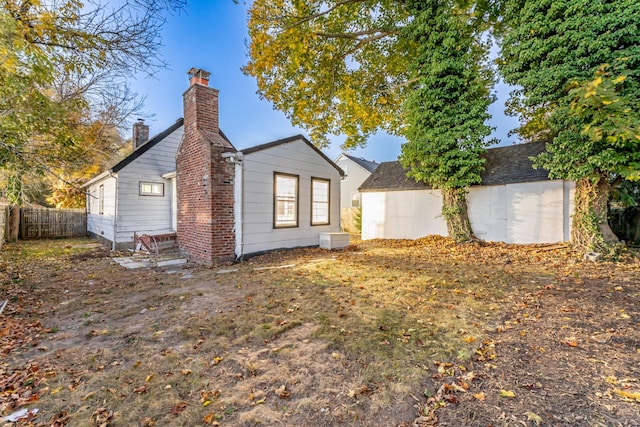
(238, 201)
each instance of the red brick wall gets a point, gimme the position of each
(204, 182)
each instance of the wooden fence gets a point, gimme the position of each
(43, 223)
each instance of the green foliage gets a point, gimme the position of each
(577, 64)
(447, 109)
(557, 53)
(59, 65)
(336, 67)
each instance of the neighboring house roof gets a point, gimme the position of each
(288, 140)
(366, 164)
(504, 165)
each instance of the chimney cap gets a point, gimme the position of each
(198, 75)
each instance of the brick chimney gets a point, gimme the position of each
(140, 133)
(204, 179)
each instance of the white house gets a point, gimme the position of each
(356, 170)
(514, 204)
(219, 203)
(137, 194)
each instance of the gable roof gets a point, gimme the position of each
(147, 146)
(504, 165)
(288, 140)
(368, 165)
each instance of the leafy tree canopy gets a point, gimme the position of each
(333, 67)
(61, 63)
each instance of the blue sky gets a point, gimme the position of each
(212, 35)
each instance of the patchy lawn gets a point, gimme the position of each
(390, 333)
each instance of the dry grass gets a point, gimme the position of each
(332, 338)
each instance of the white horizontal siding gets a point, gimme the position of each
(296, 158)
(147, 214)
(101, 224)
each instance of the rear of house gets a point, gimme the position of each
(220, 203)
(290, 194)
(137, 195)
(514, 204)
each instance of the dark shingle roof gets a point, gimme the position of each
(505, 165)
(288, 140)
(366, 164)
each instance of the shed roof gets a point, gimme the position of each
(288, 140)
(504, 165)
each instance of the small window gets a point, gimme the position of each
(101, 200)
(320, 201)
(355, 200)
(151, 189)
(285, 200)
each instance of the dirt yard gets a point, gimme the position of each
(387, 333)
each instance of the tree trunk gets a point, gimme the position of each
(454, 210)
(14, 223)
(590, 229)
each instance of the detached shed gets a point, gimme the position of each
(514, 204)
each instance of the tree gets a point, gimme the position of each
(557, 53)
(333, 67)
(410, 68)
(447, 108)
(89, 46)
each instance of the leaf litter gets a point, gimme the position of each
(397, 333)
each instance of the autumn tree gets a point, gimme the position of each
(446, 111)
(89, 44)
(410, 68)
(577, 66)
(336, 67)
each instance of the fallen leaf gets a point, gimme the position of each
(89, 395)
(282, 391)
(627, 394)
(480, 396)
(147, 422)
(507, 393)
(186, 372)
(142, 389)
(532, 416)
(179, 408)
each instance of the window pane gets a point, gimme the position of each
(320, 201)
(355, 200)
(151, 189)
(286, 201)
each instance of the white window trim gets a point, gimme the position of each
(153, 185)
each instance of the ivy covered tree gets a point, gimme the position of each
(577, 66)
(446, 111)
(411, 68)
